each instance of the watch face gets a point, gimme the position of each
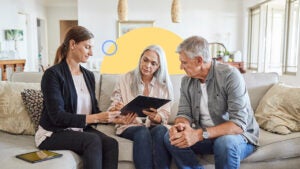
(205, 135)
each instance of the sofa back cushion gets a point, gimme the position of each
(28, 77)
(258, 84)
(176, 81)
(36, 77)
(14, 117)
(107, 85)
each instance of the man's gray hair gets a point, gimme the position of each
(195, 46)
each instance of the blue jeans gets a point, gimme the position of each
(228, 151)
(148, 146)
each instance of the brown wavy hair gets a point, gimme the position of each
(76, 33)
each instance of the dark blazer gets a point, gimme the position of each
(60, 98)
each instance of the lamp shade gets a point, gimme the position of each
(176, 11)
(122, 10)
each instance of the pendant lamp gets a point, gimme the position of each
(176, 11)
(122, 10)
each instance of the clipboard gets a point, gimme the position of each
(140, 103)
(38, 156)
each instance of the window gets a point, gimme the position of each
(293, 38)
(274, 37)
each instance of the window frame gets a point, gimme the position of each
(287, 52)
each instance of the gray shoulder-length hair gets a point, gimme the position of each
(161, 73)
(195, 46)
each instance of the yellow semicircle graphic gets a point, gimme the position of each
(131, 45)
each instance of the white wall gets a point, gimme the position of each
(216, 20)
(9, 18)
(55, 14)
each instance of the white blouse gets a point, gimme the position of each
(122, 93)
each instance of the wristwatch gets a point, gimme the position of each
(205, 133)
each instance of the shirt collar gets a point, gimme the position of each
(211, 70)
(152, 81)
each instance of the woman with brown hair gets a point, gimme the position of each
(70, 106)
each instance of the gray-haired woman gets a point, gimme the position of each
(149, 78)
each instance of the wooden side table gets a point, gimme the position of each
(16, 65)
(239, 65)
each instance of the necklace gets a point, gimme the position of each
(79, 82)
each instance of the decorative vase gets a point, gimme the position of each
(122, 10)
(225, 58)
(176, 11)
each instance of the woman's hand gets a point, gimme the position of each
(127, 119)
(102, 117)
(117, 106)
(112, 115)
(153, 115)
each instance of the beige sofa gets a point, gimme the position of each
(276, 151)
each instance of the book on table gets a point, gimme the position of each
(140, 103)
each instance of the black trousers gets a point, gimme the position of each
(97, 150)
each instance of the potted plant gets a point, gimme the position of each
(226, 56)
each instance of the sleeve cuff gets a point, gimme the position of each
(185, 116)
(164, 120)
(238, 123)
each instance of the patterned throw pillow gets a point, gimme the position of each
(33, 101)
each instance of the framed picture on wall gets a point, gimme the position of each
(126, 26)
(14, 34)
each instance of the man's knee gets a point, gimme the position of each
(225, 144)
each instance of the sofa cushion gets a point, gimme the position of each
(12, 145)
(258, 84)
(107, 85)
(279, 110)
(28, 77)
(176, 81)
(33, 101)
(125, 145)
(13, 115)
(276, 147)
